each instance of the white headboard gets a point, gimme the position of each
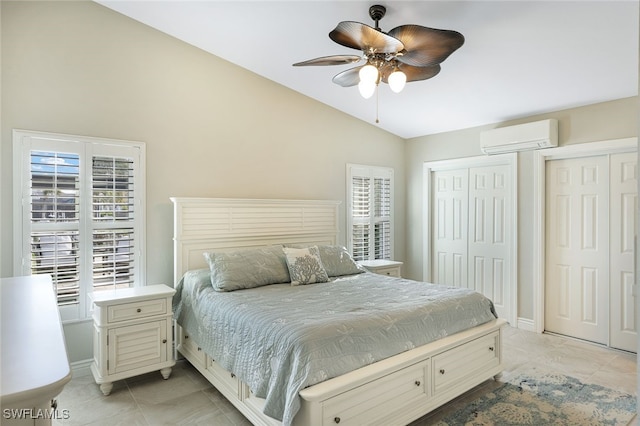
(207, 224)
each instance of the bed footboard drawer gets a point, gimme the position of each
(369, 404)
(227, 379)
(462, 362)
(188, 345)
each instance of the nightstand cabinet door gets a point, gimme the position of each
(136, 346)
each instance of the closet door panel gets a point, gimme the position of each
(622, 229)
(489, 222)
(450, 217)
(577, 248)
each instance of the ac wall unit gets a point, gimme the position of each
(535, 135)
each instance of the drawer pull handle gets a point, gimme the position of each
(417, 382)
(233, 376)
(186, 337)
(139, 310)
(491, 348)
(199, 348)
(336, 419)
(442, 371)
(164, 340)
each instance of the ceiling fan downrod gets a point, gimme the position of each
(376, 12)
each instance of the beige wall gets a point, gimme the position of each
(603, 121)
(210, 128)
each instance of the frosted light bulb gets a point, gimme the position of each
(397, 80)
(367, 89)
(368, 74)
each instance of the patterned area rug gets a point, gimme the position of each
(549, 399)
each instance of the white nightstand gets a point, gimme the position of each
(132, 333)
(383, 267)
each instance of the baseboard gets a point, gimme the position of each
(81, 368)
(526, 324)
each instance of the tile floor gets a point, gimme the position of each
(188, 399)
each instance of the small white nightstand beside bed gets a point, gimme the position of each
(132, 333)
(391, 268)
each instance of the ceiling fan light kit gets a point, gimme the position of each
(406, 53)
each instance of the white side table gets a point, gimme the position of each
(391, 268)
(132, 333)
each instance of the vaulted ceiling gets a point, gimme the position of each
(519, 58)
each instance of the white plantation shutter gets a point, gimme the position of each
(113, 221)
(54, 193)
(382, 217)
(360, 216)
(78, 214)
(370, 203)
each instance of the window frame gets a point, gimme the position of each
(372, 173)
(88, 148)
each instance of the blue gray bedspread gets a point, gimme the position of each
(279, 338)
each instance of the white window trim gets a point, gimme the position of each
(369, 171)
(21, 195)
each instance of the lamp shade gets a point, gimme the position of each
(397, 80)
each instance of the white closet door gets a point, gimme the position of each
(624, 211)
(472, 222)
(489, 227)
(450, 217)
(577, 248)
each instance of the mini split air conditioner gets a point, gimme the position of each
(535, 135)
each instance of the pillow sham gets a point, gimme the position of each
(247, 268)
(305, 265)
(336, 260)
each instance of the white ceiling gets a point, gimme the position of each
(520, 57)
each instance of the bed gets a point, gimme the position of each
(318, 368)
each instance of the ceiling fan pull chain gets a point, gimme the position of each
(377, 103)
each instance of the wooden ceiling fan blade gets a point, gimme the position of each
(419, 73)
(412, 73)
(360, 36)
(329, 60)
(426, 46)
(348, 78)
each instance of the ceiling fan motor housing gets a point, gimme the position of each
(376, 12)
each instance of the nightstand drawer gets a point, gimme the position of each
(391, 272)
(135, 310)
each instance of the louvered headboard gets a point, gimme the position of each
(208, 224)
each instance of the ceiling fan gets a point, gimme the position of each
(404, 54)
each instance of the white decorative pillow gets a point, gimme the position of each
(305, 266)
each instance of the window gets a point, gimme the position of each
(78, 214)
(369, 216)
